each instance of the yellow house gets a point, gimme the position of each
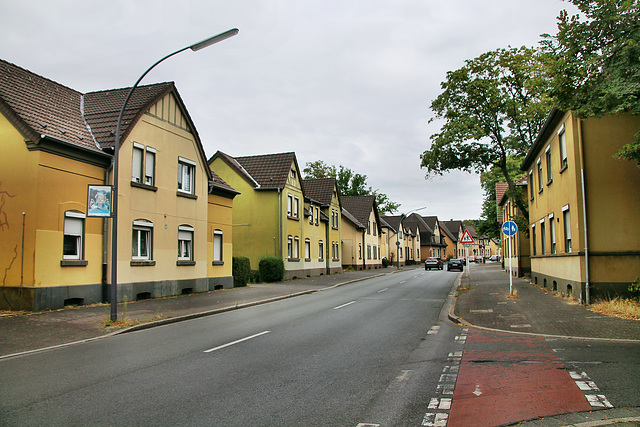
(456, 229)
(584, 205)
(361, 239)
(56, 142)
(270, 217)
(519, 263)
(450, 240)
(322, 232)
(394, 238)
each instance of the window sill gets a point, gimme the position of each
(73, 263)
(549, 182)
(185, 262)
(293, 259)
(563, 168)
(293, 218)
(217, 263)
(186, 195)
(144, 186)
(540, 191)
(142, 263)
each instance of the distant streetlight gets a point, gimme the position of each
(114, 223)
(402, 217)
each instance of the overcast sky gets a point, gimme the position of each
(348, 82)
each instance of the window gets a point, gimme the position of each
(289, 205)
(296, 206)
(539, 175)
(136, 164)
(311, 210)
(375, 252)
(149, 166)
(72, 247)
(186, 175)
(293, 174)
(142, 241)
(533, 239)
(307, 249)
(562, 138)
(543, 237)
(549, 172)
(552, 233)
(566, 217)
(320, 250)
(359, 250)
(368, 251)
(290, 247)
(531, 184)
(296, 247)
(185, 243)
(317, 215)
(217, 246)
(336, 251)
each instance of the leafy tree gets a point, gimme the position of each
(493, 107)
(594, 64)
(349, 183)
(488, 224)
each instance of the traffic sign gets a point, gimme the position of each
(466, 237)
(510, 228)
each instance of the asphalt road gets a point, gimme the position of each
(370, 352)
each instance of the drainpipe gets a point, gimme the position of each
(22, 257)
(327, 262)
(279, 253)
(584, 210)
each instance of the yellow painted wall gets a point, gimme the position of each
(43, 186)
(220, 217)
(164, 208)
(255, 217)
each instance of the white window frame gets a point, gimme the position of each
(289, 205)
(290, 247)
(549, 165)
(320, 250)
(137, 160)
(143, 164)
(73, 230)
(296, 247)
(566, 214)
(150, 166)
(552, 234)
(185, 243)
(307, 249)
(296, 206)
(540, 176)
(218, 242)
(543, 237)
(186, 174)
(142, 229)
(562, 142)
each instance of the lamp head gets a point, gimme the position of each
(212, 40)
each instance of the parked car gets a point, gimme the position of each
(455, 264)
(472, 258)
(494, 258)
(433, 262)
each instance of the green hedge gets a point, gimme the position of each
(271, 269)
(241, 270)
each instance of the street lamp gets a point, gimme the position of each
(114, 223)
(400, 228)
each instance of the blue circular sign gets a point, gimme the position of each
(510, 228)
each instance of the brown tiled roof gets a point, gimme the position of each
(103, 108)
(352, 219)
(217, 184)
(501, 190)
(269, 170)
(359, 206)
(40, 108)
(392, 220)
(321, 190)
(453, 227)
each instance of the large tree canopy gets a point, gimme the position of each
(493, 107)
(350, 183)
(594, 64)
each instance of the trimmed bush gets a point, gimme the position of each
(241, 270)
(385, 262)
(271, 269)
(255, 276)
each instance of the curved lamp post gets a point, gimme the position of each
(114, 213)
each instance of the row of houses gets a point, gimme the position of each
(583, 235)
(182, 217)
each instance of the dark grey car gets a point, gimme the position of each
(455, 264)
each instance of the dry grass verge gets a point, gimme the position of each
(619, 307)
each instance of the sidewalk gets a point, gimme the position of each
(534, 310)
(33, 331)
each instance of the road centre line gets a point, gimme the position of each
(383, 290)
(236, 342)
(343, 305)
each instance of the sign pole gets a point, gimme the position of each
(510, 229)
(510, 273)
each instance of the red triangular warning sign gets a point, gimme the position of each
(466, 237)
